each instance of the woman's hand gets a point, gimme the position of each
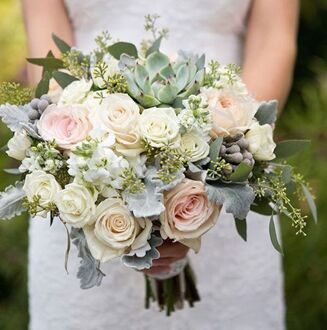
(169, 253)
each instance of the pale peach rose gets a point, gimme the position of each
(230, 111)
(189, 213)
(119, 114)
(66, 125)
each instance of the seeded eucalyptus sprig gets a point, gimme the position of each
(14, 94)
(131, 182)
(33, 207)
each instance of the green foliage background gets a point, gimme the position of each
(305, 260)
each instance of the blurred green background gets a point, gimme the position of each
(305, 116)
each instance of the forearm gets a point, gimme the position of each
(42, 18)
(270, 49)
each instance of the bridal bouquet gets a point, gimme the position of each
(130, 147)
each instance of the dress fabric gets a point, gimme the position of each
(240, 283)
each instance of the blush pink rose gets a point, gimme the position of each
(189, 213)
(67, 125)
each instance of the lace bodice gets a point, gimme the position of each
(240, 283)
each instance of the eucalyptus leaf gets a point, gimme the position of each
(62, 45)
(11, 201)
(236, 198)
(261, 206)
(89, 272)
(14, 116)
(289, 148)
(273, 235)
(215, 148)
(241, 228)
(241, 173)
(267, 112)
(120, 48)
(311, 202)
(43, 86)
(63, 79)
(48, 63)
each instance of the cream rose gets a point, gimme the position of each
(115, 231)
(261, 143)
(230, 111)
(189, 213)
(196, 145)
(44, 185)
(67, 125)
(160, 127)
(119, 114)
(18, 145)
(76, 205)
(75, 93)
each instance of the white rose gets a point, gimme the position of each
(55, 91)
(261, 143)
(109, 66)
(76, 205)
(44, 185)
(75, 93)
(160, 127)
(116, 231)
(196, 145)
(18, 145)
(229, 110)
(119, 114)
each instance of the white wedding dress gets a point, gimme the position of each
(241, 284)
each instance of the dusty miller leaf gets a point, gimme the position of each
(143, 258)
(237, 199)
(89, 272)
(11, 201)
(14, 116)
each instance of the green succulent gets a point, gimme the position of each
(156, 81)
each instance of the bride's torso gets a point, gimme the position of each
(212, 26)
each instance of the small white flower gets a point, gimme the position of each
(160, 127)
(261, 143)
(196, 145)
(44, 185)
(18, 145)
(76, 205)
(75, 93)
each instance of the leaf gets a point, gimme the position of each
(11, 201)
(289, 148)
(14, 171)
(261, 206)
(241, 228)
(48, 63)
(241, 173)
(31, 130)
(273, 235)
(215, 148)
(63, 79)
(119, 48)
(62, 45)
(167, 94)
(195, 173)
(67, 248)
(237, 199)
(155, 62)
(89, 273)
(200, 63)
(154, 47)
(14, 116)
(141, 259)
(43, 86)
(287, 174)
(311, 202)
(267, 112)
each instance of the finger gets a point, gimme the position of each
(156, 270)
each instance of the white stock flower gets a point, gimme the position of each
(43, 185)
(75, 93)
(196, 145)
(160, 127)
(116, 231)
(108, 67)
(76, 205)
(261, 143)
(18, 145)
